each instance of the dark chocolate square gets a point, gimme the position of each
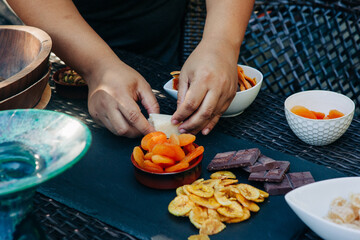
(273, 175)
(263, 163)
(299, 179)
(278, 188)
(294, 180)
(234, 159)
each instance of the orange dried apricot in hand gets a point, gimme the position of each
(334, 114)
(303, 112)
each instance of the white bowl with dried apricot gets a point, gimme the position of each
(319, 117)
(250, 80)
(167, 163)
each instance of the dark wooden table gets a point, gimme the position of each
(263, 123)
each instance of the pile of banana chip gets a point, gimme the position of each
(211, 203)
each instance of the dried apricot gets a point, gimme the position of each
(169, 150)
(174, 139)
(186, 138)
(138, 155)
(318, 115)
(152, 167)
(303, 112)
(162, 160)
(145, 140)
(334, 114)
(193, 154)
(177, 167)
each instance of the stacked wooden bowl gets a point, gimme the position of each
(24, 66)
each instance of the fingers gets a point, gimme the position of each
(123, 118)
(206, 116)
(192, 101)
(135, 118)
(182, 89)
(148, 100)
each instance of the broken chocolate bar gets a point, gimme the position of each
(290, 182)
(234, 159)
(263, 163)
(273, 175)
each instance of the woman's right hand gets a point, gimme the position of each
(114, 94)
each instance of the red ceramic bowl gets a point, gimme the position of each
(70, 91)
(168, 180)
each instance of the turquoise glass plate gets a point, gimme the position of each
(36, 145)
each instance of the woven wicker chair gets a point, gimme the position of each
(7, 17)
(297, 45)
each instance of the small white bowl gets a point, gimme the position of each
(241, 101)
(311, 204)
(314, 131)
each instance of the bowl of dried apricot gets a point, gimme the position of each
(249, 85)
(319, 117)
(167, 163)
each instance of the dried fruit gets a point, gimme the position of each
(180, 205)
(222, 175)
(211, 226)
(218, 201)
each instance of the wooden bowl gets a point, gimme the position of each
(66, 90)
(24, 52)
(28, 98)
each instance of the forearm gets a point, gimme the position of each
(226, 22)
(74, 41)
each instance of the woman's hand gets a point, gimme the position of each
(114, 94)
(208, 79)
(207, 85)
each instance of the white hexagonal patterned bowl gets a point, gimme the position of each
(314, 131)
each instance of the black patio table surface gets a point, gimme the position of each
(263, 124)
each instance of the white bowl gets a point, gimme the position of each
(241, 101)
(314, 131)
(311, 204)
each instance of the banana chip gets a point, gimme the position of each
(201, 190)
(185, 189)
(259, 200)
(199, 237)
(248, 191)
(180, 191)
(211, 226)
(263, 194)
(198, 215)
(223, 195)
(211, 182)
(226, 182)
(198, 181)
(245, 216)
(246, 203)
(234, 210)
(222, 175)
(212, 202)
(180, 205)
(205, 202)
